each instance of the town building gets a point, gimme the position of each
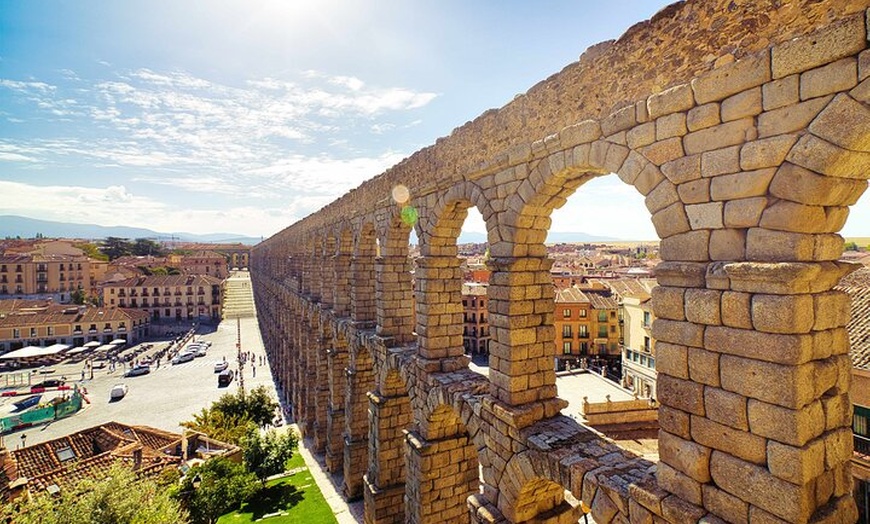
(47, 273)
(475, 333)
(56, 465)
(638, 346)
(588, 329)
(201, 263)
(168, 297)
(43, 323)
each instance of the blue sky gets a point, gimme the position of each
(243, 117)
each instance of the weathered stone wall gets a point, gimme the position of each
(748, 168)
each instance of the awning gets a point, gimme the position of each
(59, 347)
(104, 347)
(118, 341)
(92, 344)
(33, 351)
(77, 350)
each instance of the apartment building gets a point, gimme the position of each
(638, 346)
(201, 263)
(43, 323)
(588, 329)
(43, 276)
(168, 297)
(475, 334)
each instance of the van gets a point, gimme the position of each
(225, 377)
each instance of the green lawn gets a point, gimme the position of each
(296, 498)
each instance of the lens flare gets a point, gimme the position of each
(401, 194)
(409, 215)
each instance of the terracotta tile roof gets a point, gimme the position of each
(67, 314)
(166, 281)
(857, 285)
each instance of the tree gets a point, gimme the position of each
(267, 454)
(213, 488)
(78, 296)
(120, 498)
(850, 246)
(115, 247)
(91, 250)
(233, 415)
(221, 426)
(144, 246)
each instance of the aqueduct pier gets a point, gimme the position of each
(746, 127)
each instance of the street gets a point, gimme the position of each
(161, 399)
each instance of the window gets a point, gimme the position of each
(16, 333)
(583, 313)
(613, 315)
(583, 331)
(78, 328)
(33, 332)
(50, 330)
(646, 319)
(602, 316)
(584, 348)
(566, 348)
(859, 424)
(646, 344)
(602, 331)
(566, 331)
(652, 362)
(566, 313)
(613, 329)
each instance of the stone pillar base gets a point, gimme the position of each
(384, 505)
(355, 462)
(482, 511)
(441, 475)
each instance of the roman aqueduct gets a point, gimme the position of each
(746, 126)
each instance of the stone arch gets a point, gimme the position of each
(395, 304)
(439, 276)
(525, 494)
(360, 381)
(363, 305)
(341, 267)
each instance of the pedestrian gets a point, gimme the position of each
(83, 374)
(254, 369)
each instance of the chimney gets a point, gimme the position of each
(137, 459)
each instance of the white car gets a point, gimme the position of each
(182, 358)
(118, 392)
(221, 365)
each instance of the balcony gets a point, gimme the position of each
(862, 446)
(92, 331)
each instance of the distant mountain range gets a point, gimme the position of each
(15, 226)
(553, 237)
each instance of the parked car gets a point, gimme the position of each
(182, 358)
(136, 371)
(221, 365)
(51, 383)
(118, 392)
(225, 377)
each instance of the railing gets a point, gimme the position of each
(862, 444)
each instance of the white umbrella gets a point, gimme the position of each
(92, 344)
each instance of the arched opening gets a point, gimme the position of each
(395, 291)
(363, 304)
(360, 381)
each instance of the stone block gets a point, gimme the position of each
(673, 100)
(668, 302)
(831, 310)
(842, 123)
(683, 169)
(663, 151)
(705, 216)
(642, 135)
(769, 347)
(765, 152)
(662, 196)
(797, 465)
(703, 366)
(801, 185)
(778, 246)
(677, 483)
(580, 133)
(672, 359)
(744, 212)
(746, 103)
(745, 184)
(717, 137)
(728, 244)
(720, 161)
(687, 247)
(681, 274)
(679, 510)
(702, 307)
(841, 75)
(790, 119)
(837, 447)
(648, 179)
(781, 92)
(703, 116)
(673, 125)
(784, 314)
(754, 484)
(675, 421)
(680, 394)
(789, 386)
(725, 505)
(841, 39)
(687, 457)
(619, 120)
(733, 78)
(727, 408)
(824, 157)
(795, 427)
(671, 220)
(694, 192)
(736, 310)
(639, 514)
(676, 332)
(733, 441)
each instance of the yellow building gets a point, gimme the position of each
(638, 351)
(587, 329)
(168, 297)
(201, 263)
(475, 334)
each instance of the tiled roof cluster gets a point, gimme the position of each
(30, 314)
(632, 287)
(92, 452)
(167, 281)
(599, 299)
(857, 285)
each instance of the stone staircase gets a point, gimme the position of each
(238, 296)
